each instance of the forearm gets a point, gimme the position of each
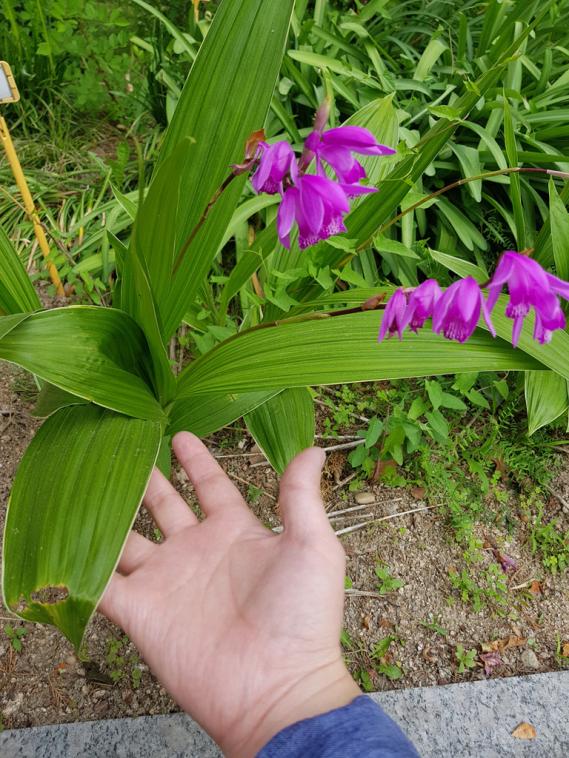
(357, 730)
(318, 692)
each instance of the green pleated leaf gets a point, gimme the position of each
(460, 266)
(283, 426)
(344, 349)
(515, 182)
(73, 502)
(137, 299)
(8, 323)
(264, 245)
(380, 117)
(225, 100)
(559, 219)
(552, 356)
(52, 399)
(205, 414)
(17, 294)
(546, 398)
(99, 354)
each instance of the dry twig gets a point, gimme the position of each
(357, 527)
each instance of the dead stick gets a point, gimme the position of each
(357, 527)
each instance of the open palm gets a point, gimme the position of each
(240, 625)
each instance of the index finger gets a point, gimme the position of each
(215, 491)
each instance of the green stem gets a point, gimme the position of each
(203, 218)
(461, 183)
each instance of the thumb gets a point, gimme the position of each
(300, 499)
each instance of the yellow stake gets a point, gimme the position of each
(29, 203)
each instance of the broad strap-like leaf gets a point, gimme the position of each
(546, 398)
(460, 266)
(559, 220)
(205, 414)
(225, 100)
(137, 299)
(17, 294)
(262, 247)
(344, 349)
(8, 323)
(73, 503)
(52, 399)
(283, 426)
(99, 354)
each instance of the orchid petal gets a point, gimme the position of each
(487, 317)
(285, 217)
(558, 286)
(356, 190)
(312, 208)
(355, 138)
(517, 329)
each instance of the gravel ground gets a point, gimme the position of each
(45, 683)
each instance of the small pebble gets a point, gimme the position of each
(529, 660)
(181, 476)
(365, 498)
(13, 706)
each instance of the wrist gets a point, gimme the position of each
(312, 694)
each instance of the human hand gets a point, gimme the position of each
(240, 625)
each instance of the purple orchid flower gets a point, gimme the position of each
(530, 286)
(317, 205)
(277, 161)
(457, 312)
(394, 316)
(336, 146)
(421, 305)
(315, 202)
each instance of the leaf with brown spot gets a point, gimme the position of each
(525, 731)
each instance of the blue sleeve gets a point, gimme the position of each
(359, 730)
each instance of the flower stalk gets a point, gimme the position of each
(462, 183)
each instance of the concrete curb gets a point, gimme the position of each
(457, 721)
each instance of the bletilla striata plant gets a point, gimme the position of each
(110, 399)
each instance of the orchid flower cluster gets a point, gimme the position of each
(456, 311)
(316, 203)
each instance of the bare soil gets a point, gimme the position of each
(45, 683)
